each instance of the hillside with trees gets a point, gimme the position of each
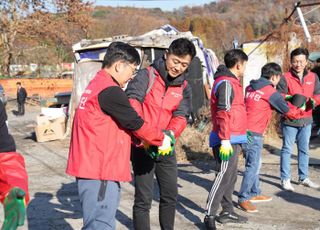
(45, 36)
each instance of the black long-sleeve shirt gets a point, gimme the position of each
(114, 102)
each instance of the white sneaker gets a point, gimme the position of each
(286, 185)
(308, 183)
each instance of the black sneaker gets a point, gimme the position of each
(210, 222)
(230, 217)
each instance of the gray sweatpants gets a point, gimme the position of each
(223, 185)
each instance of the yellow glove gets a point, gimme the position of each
(167, 145)
(226, 150)
(166, 149)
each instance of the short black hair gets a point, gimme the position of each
(120, 51)
(270, 69)
(299, 51)
(232, 57)
(182, 47)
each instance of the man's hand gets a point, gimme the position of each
(167, 146)
(226, 150)
(310, 104)
(14, 209)
(166, 149)
(288, 97)
(303, 107)
(152, 150)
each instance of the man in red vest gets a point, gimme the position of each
(14, 193)
(99, 155)
(229, 127)
(162, 97)
(261, 99)
(302, 82)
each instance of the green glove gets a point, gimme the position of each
(167, 148)
(14, 209)
(288, 97)
(249, 137)
(151, 150)
(226, 150)
(303, 107)
(311, 104)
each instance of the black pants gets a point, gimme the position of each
(165, 169)
(21, 108)
(223, 185)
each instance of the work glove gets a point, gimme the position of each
(168, 143)
(166, 149)
(14, 209)
(310, 104)
(226, 150)
(288, 97)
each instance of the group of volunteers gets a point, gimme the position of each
(240, 120)
(113, 128)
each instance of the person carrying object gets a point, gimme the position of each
(298, 80)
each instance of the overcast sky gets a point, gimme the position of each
(168, 5)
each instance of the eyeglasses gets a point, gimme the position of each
(133, 69)
(299, 62)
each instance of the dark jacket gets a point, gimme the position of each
(21, 95)
(167, 104)
(6, 140)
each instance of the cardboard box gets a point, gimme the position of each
(53, 112)
(42, 120)
(48, 130)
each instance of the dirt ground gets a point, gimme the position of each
(55, 205)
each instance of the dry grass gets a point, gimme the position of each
(194, 141)
(193, 144)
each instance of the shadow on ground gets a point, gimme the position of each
(301, 199)
(44, 212)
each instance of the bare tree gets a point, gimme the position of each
(40, 19)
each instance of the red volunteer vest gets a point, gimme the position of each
(238, 119)
(160, 103)
(99, 148)
(259, 111)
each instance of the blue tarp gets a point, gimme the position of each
(91, 54)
